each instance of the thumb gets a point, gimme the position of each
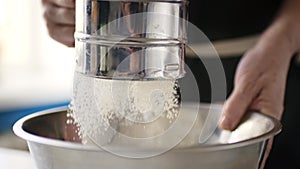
(236, 106)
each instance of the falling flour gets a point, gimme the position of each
(104, 107)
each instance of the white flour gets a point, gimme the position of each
(103, 107)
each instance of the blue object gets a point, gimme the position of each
(8, 118)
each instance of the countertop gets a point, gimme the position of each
(15, 159)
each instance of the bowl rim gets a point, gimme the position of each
(20, 132)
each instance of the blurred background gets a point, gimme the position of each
(35, 71)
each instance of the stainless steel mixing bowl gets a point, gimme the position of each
(55, 144)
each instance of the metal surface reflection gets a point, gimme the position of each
(131, 39)
(55, 144)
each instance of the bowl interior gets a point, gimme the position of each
(56, 124)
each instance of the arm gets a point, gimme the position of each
(261, 75)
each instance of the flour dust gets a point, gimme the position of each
(138, 109)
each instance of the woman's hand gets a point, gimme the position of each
(60, 19)
(261, 75)
(259, 84)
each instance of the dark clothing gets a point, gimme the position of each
(286, 148)
(220, 19)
